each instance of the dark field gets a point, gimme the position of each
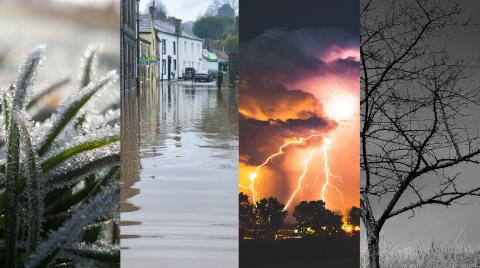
(338, 252)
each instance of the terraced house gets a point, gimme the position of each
(129, 47)
(165, 48)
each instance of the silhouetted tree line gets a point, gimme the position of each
(264, 219)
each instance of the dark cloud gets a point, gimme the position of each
(290, 55)
(259, 138)
(265, 14)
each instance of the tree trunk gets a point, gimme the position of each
(373, 249)
(372, 228)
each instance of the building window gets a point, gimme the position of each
(198, 49)
(185, 46)
(174, 48)
(164, 46)
(174, 65)
(164, 64)
(193, 52)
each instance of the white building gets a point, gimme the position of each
(175, 48)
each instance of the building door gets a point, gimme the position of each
(169, 68)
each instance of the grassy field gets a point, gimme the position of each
(435, 255)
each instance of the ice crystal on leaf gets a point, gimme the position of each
(59, 177)
(100, 206)
(26, 76)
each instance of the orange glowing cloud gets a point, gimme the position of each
(295, 84)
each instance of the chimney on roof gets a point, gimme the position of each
(152, 9)
(157, 14)
(177, 23)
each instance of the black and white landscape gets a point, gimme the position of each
(420, 146)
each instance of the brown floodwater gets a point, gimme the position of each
(179, 176)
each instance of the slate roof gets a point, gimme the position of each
(164, 26)
(191, 36)
(169, 28)
(144, 24)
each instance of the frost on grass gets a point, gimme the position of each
(100, 206)
(88, 65)
(60, 177)
(78, 167)
(95, 251)
(27, 75)
(35, 189)
(77, 139)
(68, 110)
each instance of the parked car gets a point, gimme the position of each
(213, 73)
(203, 76)
(188, 73)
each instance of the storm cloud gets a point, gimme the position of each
(289, 80)
(284, 55)
(271, 111)
(259, 138)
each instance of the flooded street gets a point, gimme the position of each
(179, 172)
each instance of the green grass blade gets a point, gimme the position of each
(86, 146)
(70, 199)
(27, 75)
(6, 110)
(63, 265)
(100, 252)
(35, 190)
(2, 222)
(13, 166)
(54, 221)
(98, 207)
(112, 176)
(38, 224)
(21, 182)
(93, 231)
(87, 67)
(73, 176)
(70, 110)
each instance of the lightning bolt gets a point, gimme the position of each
(254, 174)
(326, 167)
(300, 179)
(327, 141)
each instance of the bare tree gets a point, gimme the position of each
(414, 96)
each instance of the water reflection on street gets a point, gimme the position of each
(179, 175)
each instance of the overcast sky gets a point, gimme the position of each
(186, 10)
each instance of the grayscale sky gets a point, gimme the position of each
(458, 223)
(186, 10)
